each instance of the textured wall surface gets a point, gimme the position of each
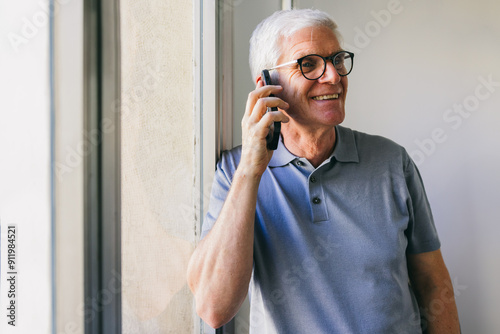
(158, 165)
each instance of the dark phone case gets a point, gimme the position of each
(273, 136)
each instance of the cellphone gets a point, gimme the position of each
(273, 136)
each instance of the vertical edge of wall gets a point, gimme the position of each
(197, 125)
(206, 100)
(69, 168)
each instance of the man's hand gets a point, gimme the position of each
(255, 126)
(221, 266)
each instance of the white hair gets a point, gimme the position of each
(265, 43)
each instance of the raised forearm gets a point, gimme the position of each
(221, 266)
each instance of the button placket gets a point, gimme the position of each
(316, 194)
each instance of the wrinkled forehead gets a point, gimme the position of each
(309, 40)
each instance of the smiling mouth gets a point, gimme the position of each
(326, 97)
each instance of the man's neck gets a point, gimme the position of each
(316, 146)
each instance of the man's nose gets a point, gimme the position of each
(331, 75)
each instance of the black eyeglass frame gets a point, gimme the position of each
(325, 59)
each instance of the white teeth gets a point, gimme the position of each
(326, 97)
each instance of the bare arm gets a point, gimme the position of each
(434, 291)
(221, 266)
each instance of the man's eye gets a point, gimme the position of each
(339, 60)
(310, 62)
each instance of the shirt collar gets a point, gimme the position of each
(345, 149)
(281, 156)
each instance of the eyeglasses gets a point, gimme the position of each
(313, 66)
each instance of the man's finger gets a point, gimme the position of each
(258, 93)
(274, 116)
(262, 104)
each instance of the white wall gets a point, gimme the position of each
(416, 63)
(47, 258)
(25, 164)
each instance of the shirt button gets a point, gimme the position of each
(300, 163)
(313, 179)
(316, 200)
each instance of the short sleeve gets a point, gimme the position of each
(226, 167)
(421, 232)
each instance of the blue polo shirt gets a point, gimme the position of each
(331, 242)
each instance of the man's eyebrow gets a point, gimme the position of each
(335, 52)
(303, 54)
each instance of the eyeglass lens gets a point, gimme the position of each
(313, 66)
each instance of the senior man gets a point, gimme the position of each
(332, 232)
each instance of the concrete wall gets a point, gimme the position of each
(158, 165)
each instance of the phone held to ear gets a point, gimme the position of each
(273, 136)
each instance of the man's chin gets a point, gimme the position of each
(334, 117)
